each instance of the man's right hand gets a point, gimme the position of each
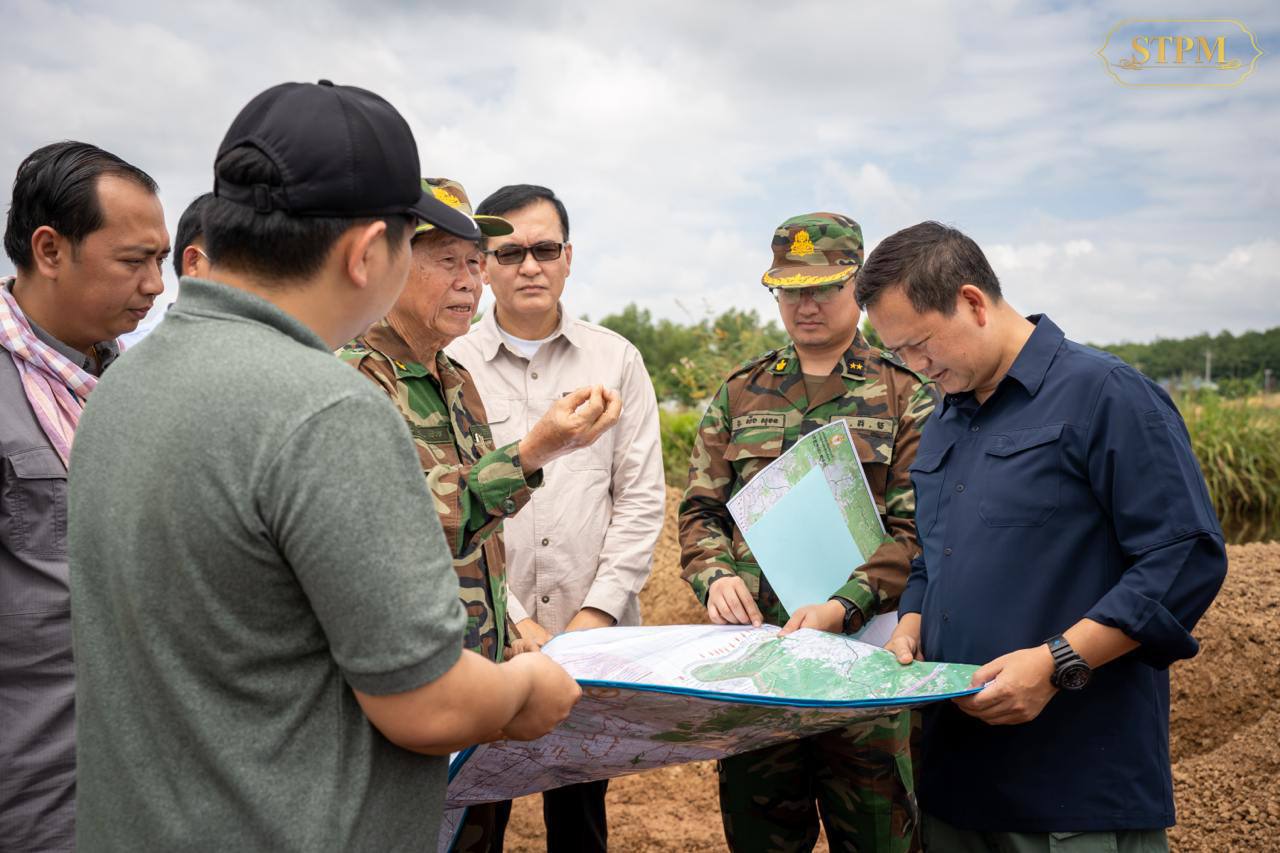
(532, 637)
(730, 603)
(552, 694)
(530, 629)
(575, 420)
(905, 642)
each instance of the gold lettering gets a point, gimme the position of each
(1142, 48)
(1219, 46)
(1182, 45)
(1162, 42)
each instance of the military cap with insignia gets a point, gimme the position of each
(815, 249)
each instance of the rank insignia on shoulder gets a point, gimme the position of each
(856, 365)
(780, 365)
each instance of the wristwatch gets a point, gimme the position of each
(1070, 672)
(852, 615)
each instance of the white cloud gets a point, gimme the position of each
(1120, 291)
(680, 135)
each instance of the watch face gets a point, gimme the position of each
(1074, 676)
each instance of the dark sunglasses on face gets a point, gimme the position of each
(512, 254)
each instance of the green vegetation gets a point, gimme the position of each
(678, 429)
(1238, 445)
(688, 362)
(1237, 361)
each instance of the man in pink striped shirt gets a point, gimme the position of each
(86, 234)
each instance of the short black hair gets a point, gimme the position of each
(275, 245)
(190, 227)
(518, 197)
(931, 261)
(57, 186)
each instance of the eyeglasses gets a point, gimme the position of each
(511, 254)
(821, 294)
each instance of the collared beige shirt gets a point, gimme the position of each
(586, 539)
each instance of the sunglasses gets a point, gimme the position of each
(821, 294)
(511, 254)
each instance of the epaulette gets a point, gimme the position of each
(890, 357)
(352, 351)
(752, 363)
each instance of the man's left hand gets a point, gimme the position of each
(1018, 691)
(589, 617)
(827, 616)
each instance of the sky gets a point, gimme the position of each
(680, 134)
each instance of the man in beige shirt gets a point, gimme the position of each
(579, 553)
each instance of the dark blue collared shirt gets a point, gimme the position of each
(1072, 492)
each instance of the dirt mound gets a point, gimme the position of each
(1225, 727)
(1225, 730)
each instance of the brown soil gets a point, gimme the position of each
(1225, 731)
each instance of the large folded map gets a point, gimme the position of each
(654, 697)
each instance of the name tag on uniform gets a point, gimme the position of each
(875, 426)
(432, 434)
(758, 420)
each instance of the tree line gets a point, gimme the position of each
(688, 361)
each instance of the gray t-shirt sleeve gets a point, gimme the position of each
(347, 505)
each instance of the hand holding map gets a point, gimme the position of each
(653, 697)
(810, 520)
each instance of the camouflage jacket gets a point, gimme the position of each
(760, 411)
(473, 485)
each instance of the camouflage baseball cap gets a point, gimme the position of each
(813, 249)
(451, 193)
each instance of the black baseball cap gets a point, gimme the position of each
(341, 151)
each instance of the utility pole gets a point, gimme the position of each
(1266, 380)
(1208, 366)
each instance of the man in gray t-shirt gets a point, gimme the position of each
(265, 615)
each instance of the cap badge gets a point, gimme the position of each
(802, 245)
(445, 196)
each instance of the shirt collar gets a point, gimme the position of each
(853, 363)
(106, 351)
(387, 341)
(1032, 363)
(1029, 367)
(206, 298)
(489, 339)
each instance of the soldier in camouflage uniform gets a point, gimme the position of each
(860, 776)
(474, 485)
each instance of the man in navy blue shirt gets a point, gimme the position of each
(1069, 547)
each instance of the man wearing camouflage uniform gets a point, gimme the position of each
(474, 485)
(860, 776)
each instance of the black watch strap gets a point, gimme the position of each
(1070, 672)
(852, 615)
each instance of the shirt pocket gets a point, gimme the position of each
(498, 425)
(1021, 477)
(35, 503)
(748, 451)
(927, 474)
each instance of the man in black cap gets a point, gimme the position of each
(236, 629)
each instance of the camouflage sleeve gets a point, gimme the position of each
(876, 586)
(496, 487)
(706, 528)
